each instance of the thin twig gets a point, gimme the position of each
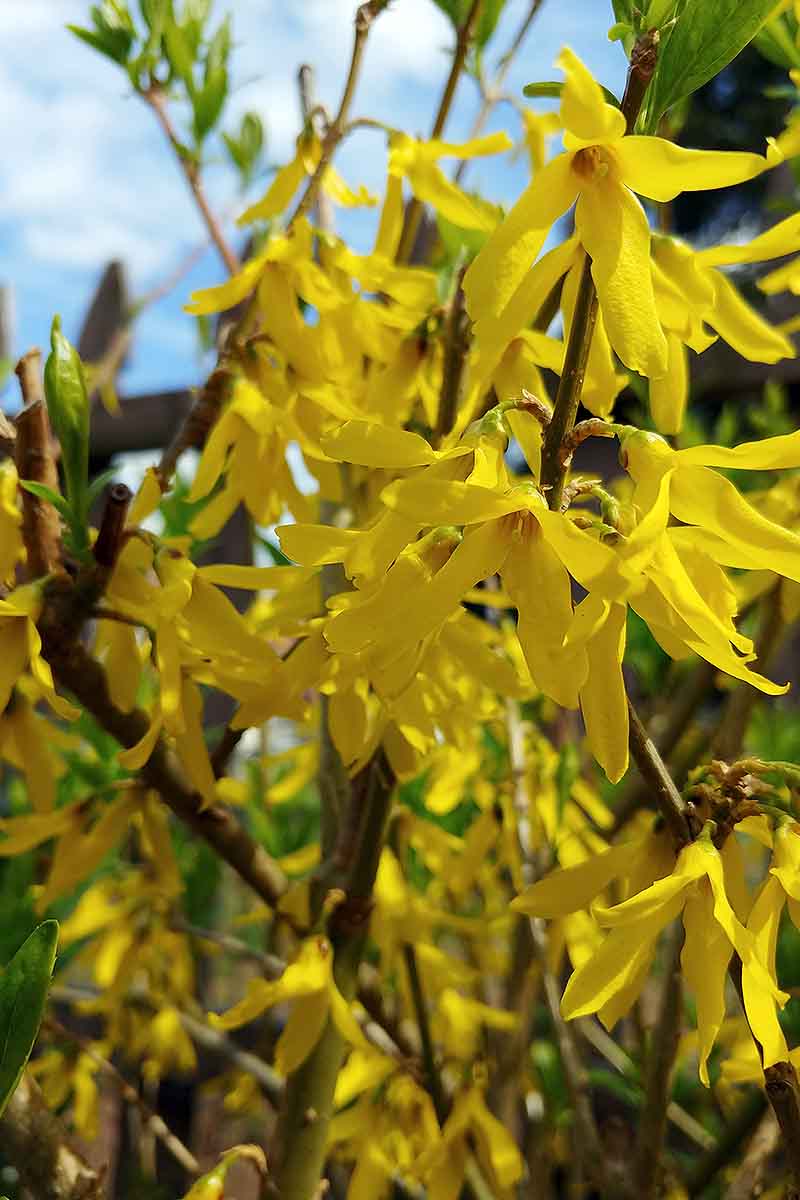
(670, 802)
(80, 673)
(456, 347)
(748, 1179)
(492, 93)
(213, 1040)
(154, 96)
(203, 414)
(570, 386)
(663, 1049)
(415, 208)
(589, 1154)
(783, 1093)
(433, 1079)
(154, 1122)
(365, 15)
(308, 1104)
(613, 1053)
(734, 1137)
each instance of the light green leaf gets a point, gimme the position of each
(68, 407)
(776, 43)
(23, 994)
(218, 49)
(551, 90)
(458, 10)
(113, 47)
(707, 35)
(179, 52)
(623, 11)
(208, 102)
(99, 483)
(45, 493)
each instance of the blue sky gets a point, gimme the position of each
(85, 175)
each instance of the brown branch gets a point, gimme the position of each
(688, 697)
(212, 1040)
(154, 1123)
(33, 1140)
(492, 93)
(748, 1181)
(198, 424)
(588, 1151)
(81, 674)
(734, 1137)
(308, 1105)
(663, 1049)
(662, 787)
(416, 207)
(456, 347)
(433, 1079)
(584, 316)
(154, 96)
(783, 1093)
(110, 536)
(365, 15)
(570, 386)
(35, 460)
(644, 58)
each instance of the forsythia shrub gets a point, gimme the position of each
(467, 963)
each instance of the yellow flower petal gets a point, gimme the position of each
(372, 445)
(229, 294)
(508, 254)
(586, 116)
(603, 699)
(572, 888)
(704, 962)
(661, 170)
(437, 502)
(763, 923)
(540, 589)
(782, 238)
(669, 394)
(743, 328)
(614, 231)
(307, 1020)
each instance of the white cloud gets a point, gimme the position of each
(85, 174)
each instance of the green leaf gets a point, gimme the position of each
(208, 102)
(551, 90)
(153, 12)
(179, 52)
(246, 148)
(68, 407)
(707, 35)
(111, 47)
(218, 49)
(458, 10)
(623, 11)
(193, 19)
(45, 493)
(488, 17)
(23, 993)
(775, 42)
(98, 484)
